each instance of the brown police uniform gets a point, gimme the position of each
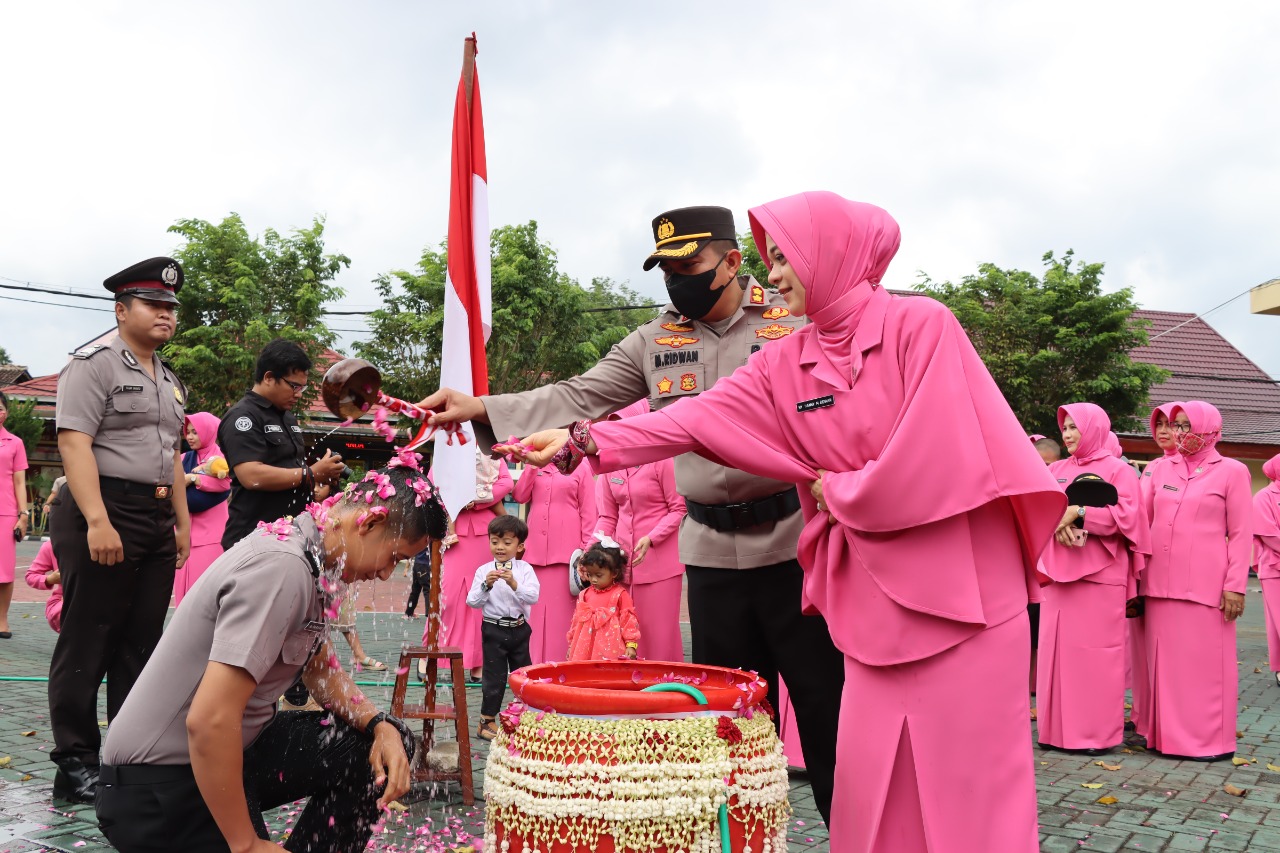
(260, 608)
(112, 616)
(736, 521)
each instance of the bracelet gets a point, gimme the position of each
(574, 451)
(633, 645)
(379, 717)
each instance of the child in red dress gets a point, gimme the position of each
(604, 623)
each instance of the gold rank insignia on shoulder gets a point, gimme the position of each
(777, 312)
(664, 385)
(675, 341)
(757, 294)
(773, 331)
(666, 230)
(689, 382)
(676, 327)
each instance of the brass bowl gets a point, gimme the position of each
(350, 387)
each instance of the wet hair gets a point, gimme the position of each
(404, 514)
(501, 525)
(606, 558)
(280, 358)
(1049, 444)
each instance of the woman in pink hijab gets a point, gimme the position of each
(1266, 555)
(919, 553)
(640, 508)
(208, 486)
(1201, 521)
(1080, 687)
(1137, 677)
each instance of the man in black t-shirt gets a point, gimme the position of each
(262, 442)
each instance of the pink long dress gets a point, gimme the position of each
(1201, 522)
(460, 624)
(1080, 679)
(38, 578)
(638, 502)
(13, 458)
(208, 525)
(924, 577)
(562, 516)
(1266, 553)
(1138, 678)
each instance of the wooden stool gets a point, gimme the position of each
(429, 712)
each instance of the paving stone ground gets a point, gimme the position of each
(436, 820)
(1161, 804)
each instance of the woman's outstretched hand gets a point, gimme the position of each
(537, 449)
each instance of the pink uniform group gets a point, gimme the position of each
(567, 513)
(1177, 542)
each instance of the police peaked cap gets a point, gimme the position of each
(682, 233)
(156, 279)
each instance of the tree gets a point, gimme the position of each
(239, 293)
(24, 423)
(752, 263)
(546, 326)
(1054, 340)
(4, 356)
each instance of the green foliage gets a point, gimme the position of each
(24, 423)
(4, 356)
(543, 327)
(1054, 340)
(239, 293)
(752, 263)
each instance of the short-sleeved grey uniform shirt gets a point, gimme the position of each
(135, 421)
(258, 607)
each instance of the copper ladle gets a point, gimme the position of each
(353, 386)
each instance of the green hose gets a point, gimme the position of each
(724, 828)
(678, 688)
(44, 678)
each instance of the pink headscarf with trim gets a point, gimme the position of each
(840, 250)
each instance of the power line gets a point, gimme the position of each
(1202, 315)
(57, 304)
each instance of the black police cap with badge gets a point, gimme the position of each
(682, 233)
(155, 279)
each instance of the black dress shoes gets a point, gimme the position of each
(75, 781)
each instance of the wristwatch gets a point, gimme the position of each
(379, 717)
(1080, 511)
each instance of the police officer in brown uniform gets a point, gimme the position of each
(121, 528)
(738, 541)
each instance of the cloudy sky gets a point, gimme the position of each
(1139, 134)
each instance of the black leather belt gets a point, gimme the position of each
(506, 621)
(740, 516)
(129, 487)
(144, 774)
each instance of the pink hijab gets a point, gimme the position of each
(840, 250)
(1167, 411)
(1271, 468)
(1206, 422)
(1113, 445)
(1094, 426)
(206, 426)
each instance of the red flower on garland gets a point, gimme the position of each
(727, 730)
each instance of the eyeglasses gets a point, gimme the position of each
(1177, 427)
(296, 386)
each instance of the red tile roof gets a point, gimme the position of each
(1205, 366)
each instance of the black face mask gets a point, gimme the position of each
(692, 294)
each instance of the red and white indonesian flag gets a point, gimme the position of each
(468, 314)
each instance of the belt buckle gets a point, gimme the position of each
(162, 494)
(742, 514)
